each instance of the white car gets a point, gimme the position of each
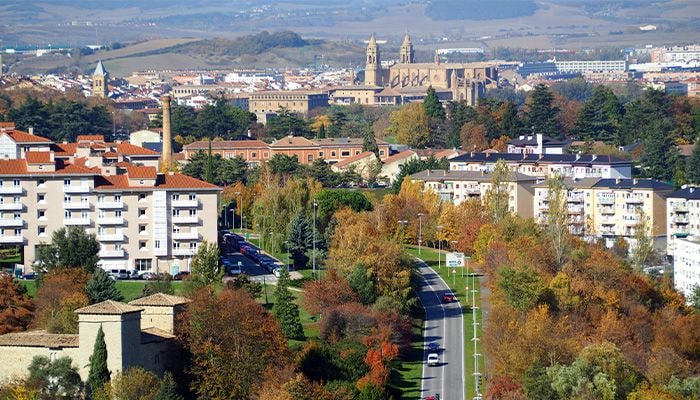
(433, 359)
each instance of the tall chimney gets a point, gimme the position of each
(167, 155)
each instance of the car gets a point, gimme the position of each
(31, 275)
(433, 346)
(182, 275)
(236, 269)
(433, 397)
(146, 275)
(449, 298)
(433, 359)
(118, 274)
(134, 274)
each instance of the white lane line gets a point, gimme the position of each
(444, 332)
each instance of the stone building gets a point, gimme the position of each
(99, 81)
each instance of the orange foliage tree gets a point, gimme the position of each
(62, 292)
(16, 308)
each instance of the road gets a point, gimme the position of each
(443, 324)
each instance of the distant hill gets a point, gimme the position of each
(479, 10)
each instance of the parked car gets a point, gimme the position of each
(236, 268)
(276, 272)
(134, 274)
(449, 298)
(182, 275)
(119, 274)
(31, 275)
(146, 275)
(433, 359)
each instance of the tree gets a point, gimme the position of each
(162, 284)
(542, 116)
(216, 169)
(135, 384)
(600, 117)
(101, 287)
(69, 248)
(285, 310)
(16, 308)
(99, 374)
(693, 165)
(660, 154)
(57, 379)
(222, 120)
(694, 299)
(243, 282)
(299, 240)
(522, 287)
(168, 388)
(432, 106)
(473, 136)
(287, 123)
(322, 172)
(205, 264)
(415, 165)
(282, 164)
(411, 125)
(62, 292)
(362, 284)
(369, 142)
(643, 240)
(557, 218)
(230, 335)
(497, 194)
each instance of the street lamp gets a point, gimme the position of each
(439, 229)
(453, 242)
(313, 254)
(420, 230)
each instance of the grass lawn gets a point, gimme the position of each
(129, 289)
(458, 284)
(31, 287)
(406, 377)
(308, 321)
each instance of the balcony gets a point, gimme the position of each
(680, 208)
(77, 205)
(191, 235)
(11, 222)
(110, 205)
(11, 206)
(184, 252)
(680, 219)
(76, 221)
(606, 200)
(12, 239)
(112, 253)
(77, 189)
(110, 220)
(634, 200)
(574, 198)
(111, 237)
(575, 210)
(11, 190)
(607, 210)
(185, 219)
(185, 203)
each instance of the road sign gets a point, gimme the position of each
(454, 260)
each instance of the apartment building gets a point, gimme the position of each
(459, 186)
(143, 220)
(579, 204)
(267, 104)
(686, 265)
(535, 144)
(253, 151)
(683, 216)
(542, 165)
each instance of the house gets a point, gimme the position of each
(391, 166)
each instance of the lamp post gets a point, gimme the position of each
(240, 213)
(313, 253)
(439, 229)
(453, 242)
(420, 230)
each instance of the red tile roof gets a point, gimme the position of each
(399, 156)
(7, 125)
(175, 181)
(226, 144)
(64, 149)
(110, 154)
(353, 159)
(13, 167)
(133, 150)
(19, 167)
(294, 141)
(138, 172)
(24, 137)
(90, 138)
(38, 157)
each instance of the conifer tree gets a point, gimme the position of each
(299, 240)
(369, 142)
(321, 131)
(660, 154)
(101, 287)
(99, 373)
(168, 389)
(542, 115)
(284, 309)
(433, 107)
(694, 165)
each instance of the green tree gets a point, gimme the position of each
(224, 171)
(497, 194)
(57, 379)
(643, 240)
(369, 141)
(69, 248)
(162, 284)
(182, 120)
(542, 115)
(432, 106)
(222, 120)
(99, 373)
(168, 388)
(282, 164)
(135, 383)
(416, 165)
(287, 123)
(321, 132)
(285, 310)
(243, 282)
(522, 287)
(101, 287)
(322, 172)
(460, 113)
(537, 384)
(299, 240)
(362, 284)
(599, 117)
(660, 154)
(205, 265)
(557, 218)
(693, 165)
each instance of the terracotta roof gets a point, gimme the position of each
(447, 153)
(24, 137)
(226, 144)
(19, 167)
(109, 307)
(175, 181)
(7, 125)
(399, 156)
(38, 339)
(154, 335)
(90, 138)
(13, 167)
(160, 299)
(138, 172)
(293, 141)
(346, 141)
(355, 158)
(64, 149)
(110, 154)
(38, 157)
(179, 157)
(133, 150)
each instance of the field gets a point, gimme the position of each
(129, 289)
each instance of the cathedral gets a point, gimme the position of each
(407, 80)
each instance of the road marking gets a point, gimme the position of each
(444, 331)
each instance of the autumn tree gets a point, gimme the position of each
(693, 165)
(411, 125)
(557, 227)
(205, 265)
(286, 311)
(134, 384)
(643, 240)
(70, 247)
(331, 291)
(16, 308)
(62, 292)
(230, 335)
(55, 379)
(497, 195)
(473, 136)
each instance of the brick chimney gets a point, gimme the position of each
(167, 154)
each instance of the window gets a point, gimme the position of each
(357, 152)
(345, 153)
(118, 213)
(142, 197)
(381, 152)
(142, 229)
(66, 182)
(157, 244)
(142, 212)
(16, 183)
(253, 155)
(101, 230)
(176, 213)
(42, 182)
(101, 198)
(193, 245)
(67, 214)
(176, 229)
(143, 264)
(142, 245)
(18, 232)
(66, 199)
(41, 198)
(41, 214)
(84, 215)
(42, 230)
(193, 213)
(320, 154)
(310, 157)
(117, 198)
(176, 197)
(192, 197)
(176, 245)
(332, 153)
(101, 214)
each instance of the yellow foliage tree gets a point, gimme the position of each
(411, 125)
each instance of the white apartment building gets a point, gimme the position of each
(686, 265)
(535, 144)
(683, 216)
(579, 204)
(542, 165)
(459, 186)
(591, 66)
(143, 220)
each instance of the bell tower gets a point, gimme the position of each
(373, 64)
(406, 52)
(99, 81)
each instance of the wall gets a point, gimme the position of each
(122, 336)
(16, 359)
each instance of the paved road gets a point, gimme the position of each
(444, 325)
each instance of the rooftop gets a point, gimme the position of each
(108, 307)
(225, 144)
(689, 193)
(160, 299)
(584, 183)
(39, 339)
(568, 159)
(355, 158)
(633, 184)
(476, 176)
(399, 156)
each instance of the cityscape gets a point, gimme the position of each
(428, 200)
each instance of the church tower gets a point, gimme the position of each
(406, 52)
(99, 81)
(373, 67)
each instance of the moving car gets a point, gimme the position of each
(433, 359)
(433, 397)
(433, 347)
(449, 298)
